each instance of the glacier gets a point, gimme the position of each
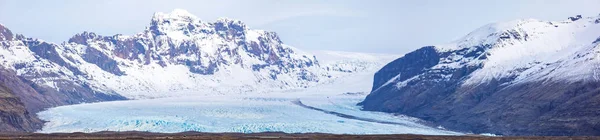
(250, 112)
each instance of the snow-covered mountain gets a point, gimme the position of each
(178, 54)
(517, 77)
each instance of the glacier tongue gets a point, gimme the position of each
(266, 112)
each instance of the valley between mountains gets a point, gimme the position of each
(185, 74)
(181, 73)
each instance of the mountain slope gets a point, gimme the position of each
(14, 116)
(177, 55)
(523, 77)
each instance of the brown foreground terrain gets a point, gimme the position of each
(271, 135)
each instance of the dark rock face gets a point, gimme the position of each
(13, 114)
(130, 49)
(106, 63)
(48, 51)
(541, 108)
(5, 34)
(437, 94)
(575, 18)
(411, 64)
(95, 56)
(424, 85)
(82, 38)
(233, 28)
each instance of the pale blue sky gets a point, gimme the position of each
(382, 26)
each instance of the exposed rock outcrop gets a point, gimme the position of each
(14, 117)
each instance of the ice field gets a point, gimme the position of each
(246, 113)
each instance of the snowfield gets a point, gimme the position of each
(246, 113)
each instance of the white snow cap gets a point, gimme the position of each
(490, 33)
(176, 14)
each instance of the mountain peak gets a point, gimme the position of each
(176, 14)
(5, 33)
(225, 23)
(181, 12)
(229, 20)
(514, 31)
(176, 21)
(490, 33)
(82, 38)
